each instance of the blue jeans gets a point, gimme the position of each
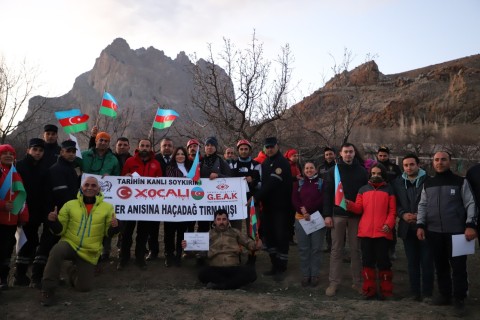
(310, 250)
(420, 264)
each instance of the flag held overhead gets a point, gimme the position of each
(164, 118)
(72, 120)
(109, 105)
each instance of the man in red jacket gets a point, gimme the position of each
(144, 164)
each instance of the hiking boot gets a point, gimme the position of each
(315, 281)
(441, 301)
(47, 298)
(459, 307)
(21, 280)
(305, 281)
(331, 290)
(357, 289)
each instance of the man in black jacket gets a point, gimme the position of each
(33, 171)
(408, 189)
(447, 208)
(353, 176)
(275, 195)
(63, 183)
(51, 149)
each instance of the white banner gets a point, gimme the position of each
(173, 199)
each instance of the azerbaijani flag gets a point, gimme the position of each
(194, 172)
(164, 118)
(12, 189)
(109, 105)
(253, 221)
(72, 120)
(339, 195)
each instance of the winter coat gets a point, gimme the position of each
(85, 232)
(224, 249)
(309, 194)
(377, 205)
(93, 164)
(151, 168)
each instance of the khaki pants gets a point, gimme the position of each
(81, 275)
(340, 226)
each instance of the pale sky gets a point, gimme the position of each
(62, 38)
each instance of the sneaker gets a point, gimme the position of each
(441, 301)
(459, 307)
(21, 281)
(331, 290)
(46, 299)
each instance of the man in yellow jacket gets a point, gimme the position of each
(82, 224)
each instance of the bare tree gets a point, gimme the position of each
(16, 87)
(237, 94)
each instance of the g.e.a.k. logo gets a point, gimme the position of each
(197, 193)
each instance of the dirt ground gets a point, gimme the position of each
(175, 293)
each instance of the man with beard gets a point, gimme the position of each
(408, 189)
(275, 195)
(144, 164)
(101, 160)
(224, 270)
(353, 176)
(447, 208)
(33, 171)
(329, 162)
(163, 157)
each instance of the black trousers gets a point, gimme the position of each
(276, 229)
(173, 246)
(47, 241)
(448, 268)
(375, 253)
(27, 252)
(153, 233)
(228, 277)
(7, 242)
(127, 228)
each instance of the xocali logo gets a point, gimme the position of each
(222, 184)
(197, 193)
(124, 192)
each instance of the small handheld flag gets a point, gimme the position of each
(12, 189)
(164, 118)
(339, 195)
(253, 221)
(72, 120)
(109, 105)
(194, 172)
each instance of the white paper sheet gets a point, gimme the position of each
(21, 238)
(316, 223)
(460, 245)
(196, 241)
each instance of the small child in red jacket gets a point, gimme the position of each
(376, 202)
(9, 219)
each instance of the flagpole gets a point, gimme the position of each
(98, 118)
(151, 130)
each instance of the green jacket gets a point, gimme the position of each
(84, 232)
(92, 163)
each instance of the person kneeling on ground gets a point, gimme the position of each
(95, 219)
(224, 270)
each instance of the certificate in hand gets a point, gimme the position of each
(316, 223)
(196, 241)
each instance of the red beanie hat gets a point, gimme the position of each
(7, 147)
(290, 153)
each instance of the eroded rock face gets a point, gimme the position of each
(447, 93)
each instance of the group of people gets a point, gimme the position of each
(359, 201)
